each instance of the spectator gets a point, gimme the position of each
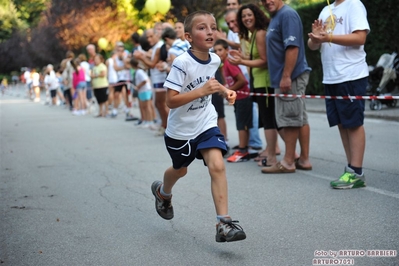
(243, 105)
(142, 85)
(344, 43)
(157, 77)
(252, 21)
(100, 84)
(79, 85)
(289, 73)
(67, 76)
(52, 83)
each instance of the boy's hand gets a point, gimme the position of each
(211, 86)
(230, 96)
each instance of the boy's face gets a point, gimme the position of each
(203, 33)
(221, 51)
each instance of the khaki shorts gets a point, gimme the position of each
(291, 112)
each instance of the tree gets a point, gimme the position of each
(31, 10)
(10, 20)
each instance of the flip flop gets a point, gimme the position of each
(278, 168)
(263, 163)
(259, 158)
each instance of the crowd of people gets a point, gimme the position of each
(180, 75)
(253, 60)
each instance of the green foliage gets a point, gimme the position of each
(9, 20)
(301, 3)
(30, 10)
(383, 37)
(308, 14)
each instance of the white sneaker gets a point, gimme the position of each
(83, 112)
(160, 132)
(154, 127)
(36, 100)
(144, 125)
(76, 112)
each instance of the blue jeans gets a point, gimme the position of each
(254, 138)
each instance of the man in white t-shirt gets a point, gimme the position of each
(340, 33)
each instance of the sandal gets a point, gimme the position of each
(263, 163)
(277, 169)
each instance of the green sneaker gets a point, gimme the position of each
(349, 179)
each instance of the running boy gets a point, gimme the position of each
(242, 107)
(192, 130)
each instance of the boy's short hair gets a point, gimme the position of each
(221, 42)
(169, 33)
(134, 62)
(188, 22)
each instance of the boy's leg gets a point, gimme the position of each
(214, 160)
(345, 142)
(353, 140)
(227, 230)
(170, 178)
(163, 191)
(357, 140)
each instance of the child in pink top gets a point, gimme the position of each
(79, 85)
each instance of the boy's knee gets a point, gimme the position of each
(181, 172)
(215, 167)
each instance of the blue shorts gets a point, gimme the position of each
(348, 113)
(145, 95)
(183, 152)
(81, 85)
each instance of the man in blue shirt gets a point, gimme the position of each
(289, 74)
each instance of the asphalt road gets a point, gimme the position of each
(76, 191)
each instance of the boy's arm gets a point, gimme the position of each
(240, 82)
(319, 36)
(174, 99)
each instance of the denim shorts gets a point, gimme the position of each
(348, 113)
(81, 85)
